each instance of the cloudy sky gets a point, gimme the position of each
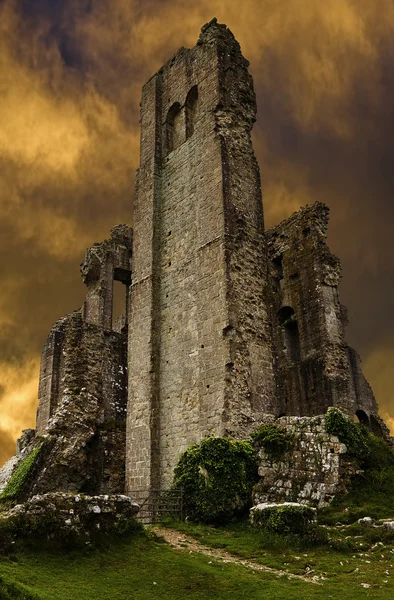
(71, 76)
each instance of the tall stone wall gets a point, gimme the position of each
(201, 357)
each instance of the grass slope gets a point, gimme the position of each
(351, 561)
(139, 568)
(143, 568)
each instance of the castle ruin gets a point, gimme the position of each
(226, 325)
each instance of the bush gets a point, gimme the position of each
(275, 440)
(354, 436)
(217, 477)
(285, 519)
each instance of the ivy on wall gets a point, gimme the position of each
(217, 476)
(369, 450)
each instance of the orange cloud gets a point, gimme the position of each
(18, 398)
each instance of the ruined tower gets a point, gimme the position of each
(200, 357)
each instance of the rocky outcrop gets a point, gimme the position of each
(284, 518)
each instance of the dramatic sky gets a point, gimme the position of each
(71, 75)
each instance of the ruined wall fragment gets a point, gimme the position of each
(83, 381)
(312, 472)
(315, 368)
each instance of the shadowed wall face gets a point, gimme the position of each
(198, 267)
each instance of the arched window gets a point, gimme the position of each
(285, 315)
(376, 427)
(362, 417)
(191, 110)
(287, 319)
(173, 127)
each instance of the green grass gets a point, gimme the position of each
(141, 567)
(371, 495)
(345, 557)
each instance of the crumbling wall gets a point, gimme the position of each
(201, 357)
(83, 381)
(312, 472)
(315, 368)
(92, 392)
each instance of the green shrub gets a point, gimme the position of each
(20, 477)
(371, 452)
(275, 440)
(217, 476)
(285, 519)
(380, 456)
(353, 435)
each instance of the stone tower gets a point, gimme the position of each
(200, 358)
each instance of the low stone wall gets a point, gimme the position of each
(312, 472)
(60, 517)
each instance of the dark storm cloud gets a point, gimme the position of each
(69, 143)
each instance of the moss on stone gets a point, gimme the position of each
(275, 440)
(284, 519)
(20, 477)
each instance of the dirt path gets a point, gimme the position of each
(184, 542)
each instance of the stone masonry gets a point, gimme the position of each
(201, 362)
(314, 367)
(83, 384)
(225, 325)
(312, 472)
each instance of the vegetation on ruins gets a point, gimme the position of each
(353, 435)
(275, 440)
(21, 476)
(285, 519)
(217, 476)
(371, 451)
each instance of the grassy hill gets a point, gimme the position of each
(349, 563)
(343, 559)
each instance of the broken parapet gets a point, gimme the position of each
(84, 352)
(103, 264)
(83, 385)
(312, 472)
(315, 368)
